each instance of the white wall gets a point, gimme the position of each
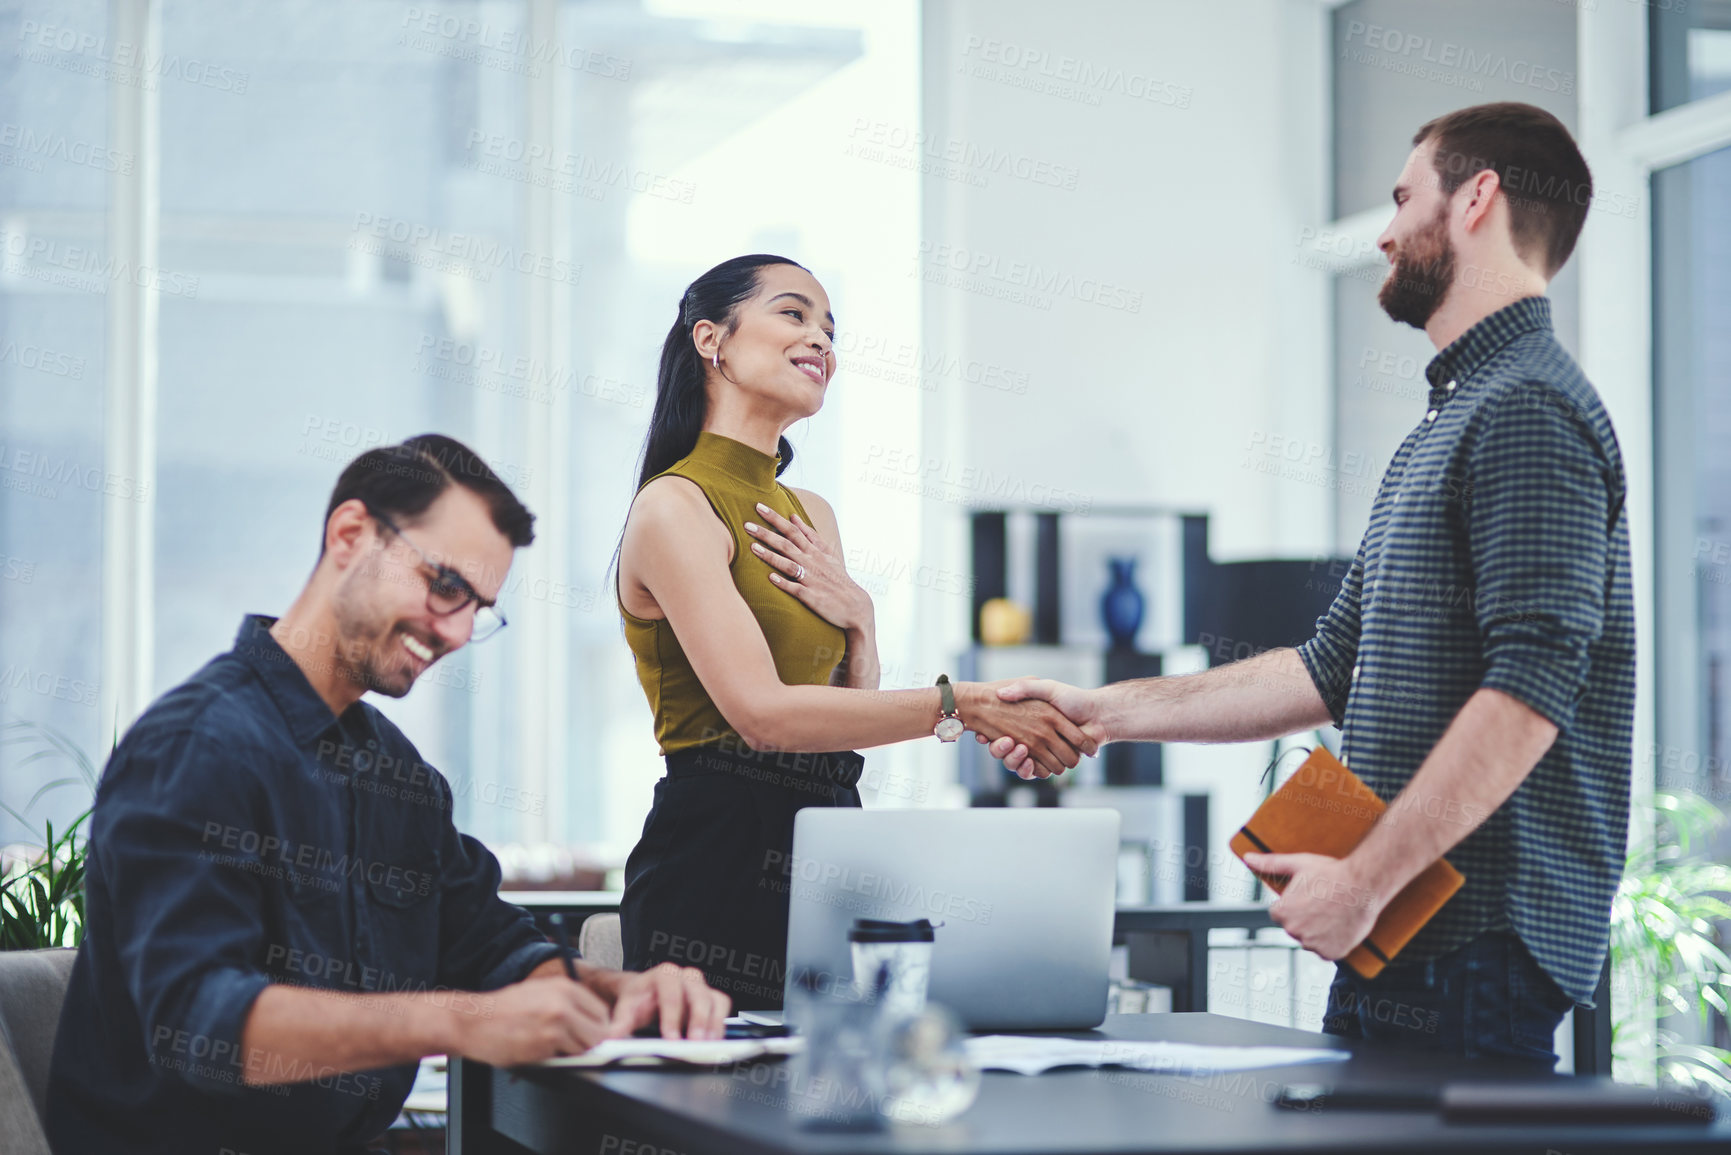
(1170, 162)
(1191, 203)
(1522, 51)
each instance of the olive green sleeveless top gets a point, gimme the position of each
(807, 649)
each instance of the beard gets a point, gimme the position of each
(369, 646)
(1422, 274)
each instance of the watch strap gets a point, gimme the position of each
(947, 696)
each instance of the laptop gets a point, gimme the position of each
(1024, 899)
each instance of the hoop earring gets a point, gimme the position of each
(716, 360)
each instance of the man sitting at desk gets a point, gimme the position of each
(1480, 656)
(281, 917)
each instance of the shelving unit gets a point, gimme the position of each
(1211, 612)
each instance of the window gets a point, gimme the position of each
(376, 220)
(56, 161)
(1691, 51)
(1692, 405)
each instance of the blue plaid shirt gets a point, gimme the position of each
(1498, 556)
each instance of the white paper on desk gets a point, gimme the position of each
(1032, 1055)
(694, 1052)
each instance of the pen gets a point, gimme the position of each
(558, 921)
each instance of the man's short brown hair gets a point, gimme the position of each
(1543, 174)
(402, 482)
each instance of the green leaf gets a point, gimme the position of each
(54, 785)
(1668, 955)
(42, 904)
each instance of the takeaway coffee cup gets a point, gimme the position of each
(896, 954)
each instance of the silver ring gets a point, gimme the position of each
(800, 576)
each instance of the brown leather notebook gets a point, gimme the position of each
(1325, 809)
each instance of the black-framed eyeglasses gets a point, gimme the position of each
(448, 591)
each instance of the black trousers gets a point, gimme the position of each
(707, 884)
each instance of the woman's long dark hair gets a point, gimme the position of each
(680, 402)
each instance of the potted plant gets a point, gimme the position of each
(1668, 958)
(42, 889)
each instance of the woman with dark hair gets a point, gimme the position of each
(751, 642)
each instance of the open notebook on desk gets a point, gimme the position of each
(686, 1052)
(1021, 1054)
(1036, 1054)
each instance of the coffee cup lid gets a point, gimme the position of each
(882, 930)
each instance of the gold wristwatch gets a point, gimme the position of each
(949, 726)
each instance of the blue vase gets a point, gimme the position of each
(1121, 606)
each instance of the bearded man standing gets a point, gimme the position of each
(1480, 657)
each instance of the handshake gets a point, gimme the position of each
(1038, 727)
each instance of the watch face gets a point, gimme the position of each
(949, 729)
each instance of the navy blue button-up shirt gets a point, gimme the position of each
(1497, 557)
(243, 836)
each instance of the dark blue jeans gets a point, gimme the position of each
(1488, 998)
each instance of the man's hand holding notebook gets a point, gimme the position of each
(1301, 836)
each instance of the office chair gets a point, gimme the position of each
(32, 987)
